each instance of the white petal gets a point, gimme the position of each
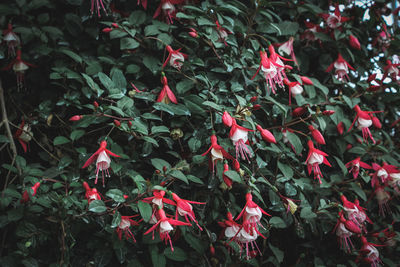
(124, 224)
(165, 227)
(239, 134)
(216, 154)
(315, 158)
(297, 89)
(103, 161)
(362, 123)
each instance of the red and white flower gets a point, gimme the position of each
(239, 137)
(19, 66)
(102, 157)
(295, 89)
(364, 121)
(383, 198)
(24, 134)
(217, 152)
(392, 71)
(164, 226)
(355, 165)
(124, 227)
(166, 95)
(91, 194)
(222, 33)
(369, 254)
(341, 67)
(185, 209)
(12, 40)
(252, 214)
(286, 49)
(96, 6)
(167, 10)
(25, 196)
(334, 20)
(175, 58)
(158, 199)
(314, 159)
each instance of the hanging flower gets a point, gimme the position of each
(354, 212)
(383, 198)
(164, 226)
(96, 6)
(295, 89)
(341, 68)
(383, 39)
(318, 137)
(369, 254)
(193, 33)
(364, 121)
(102, 161)
(124, 227)
(227, 119)
(391, 70)
(25, 196)
(228, 181)
(314, 159)
(286, 49)
(158, 199)
(143, 2)
(334, 20)
(166, 95)
(266, 135)
(344, 229)
(91, 194)
(167, 10)
(222, 33)
(252, 214)
(217, 152)
(175, 58)
(19, 67)
(309, 33)
(340, 128)
(239, 137)
(382, 173)
(24, 134)
(12, 40)
(355, 165)
(354, 42)
(184, 208)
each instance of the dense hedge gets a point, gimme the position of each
(205, 133)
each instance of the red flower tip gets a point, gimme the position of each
(297, 112)
(306, 80)
(95, 104)
(193, 33)
(371, 77)
(376, 122)
(117, 123)
(227, 119)
(354, 42)
(130, 124)
(126, 196)
(328, 112)
(253, 99)
(86, 186)
(349, 146)
(115, 25)
(107, 30)
(256, 107)
(340, 128)
(76, 118)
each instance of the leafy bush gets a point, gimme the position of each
(208, 122)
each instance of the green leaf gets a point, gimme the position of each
(92, 84)
(128, 43)
(116, 195)
(177, 255)
(179, 175)
(145, 210)
(295, 141)
(160, 163)
(159, 129)
(277, 252)
(157, 259)
(97, 206)
(234, 176)
(72, 55)
(76, 134)
(279, 105)
(212, 105)
(288, 28)
(306, 213)
(285, 169)
(277, 222)
(106, 81)
(359, 191)
(173, 109)
(116, 220)
(60, 140)
(194, 179)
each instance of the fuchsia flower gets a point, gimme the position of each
(143, 2)
(193, 33)
(309, 33)
(272, 68)
(102, 161)
(166, 95)
(239, 137)
(167, 10)
(96, 6)
(314, 159)
(184, 208)
(217, 152)
(12, 40)
(266, 135)
(227, 119)
(252, 214)
(295, 89)
(355, 165)
(91, 194)
(318, 137)
(383, 39)
(158, 199)
(354, 42)
(286, 49)
(24, 135)
(369, 254)
(383, 198)
(19, 67)
(124, 227)
(76, 118)
(341, 68)
(175, 58)
(334, 20)
(392, 70)
(25, 196)
(383, 173)
(226, 179)
(364, 121)
(344, 229)
(164, 226)
(222, 33)
(355, 212)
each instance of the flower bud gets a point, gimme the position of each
(253, 99)
(376, 122)
(354, 42)
(164, 169)
(76, 118)
(328, 112)
(297, 112)
(117, 123)
(256, 107)
(266, 135)
(340, 128)
(126, 196)
(95, 104)
(227, 119)
(212, 250)
(349, 146)
(107, 30)
(115, 25)
(193, 33)
(318, 137)
(130, 124)
(306, 80)
(291, 206)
